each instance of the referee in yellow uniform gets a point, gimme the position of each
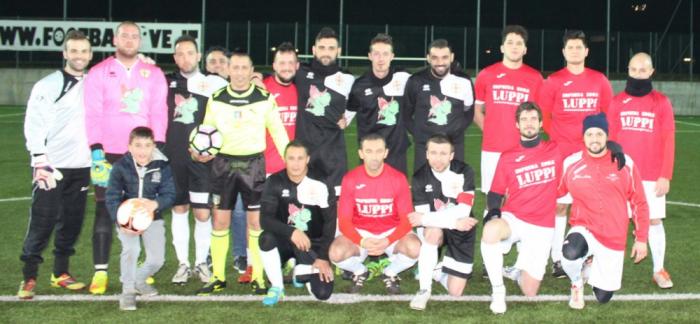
(241, 112)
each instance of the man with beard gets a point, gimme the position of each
(323, 90)
(500, 88)
(641, 119)
(527, 178)
(439, 99)
(373, 210)
(566, 98)
(604, 197)
(55, 131)
(121, 93)
(188, 91)
(377, 97)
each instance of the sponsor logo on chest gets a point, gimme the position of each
(580, 101)
(637, 121)
(373, 207)
(509, 94)
(536, 173)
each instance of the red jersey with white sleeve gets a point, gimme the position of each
(601, 194)
(286, 98)
(645, 127)
(501, 90)
(374, 204)
(528, 177)
(566, 99)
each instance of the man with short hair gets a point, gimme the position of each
(241, 112)
(216, 61)
(443, 196)
(566, 98)
(377, 97)
(439, 99)
(373, 213)
(188, 91)
(500, 88)
(54, 127)
(323, 89)
(121, 93)
(641, 120)
(298, 221)
(527, 178)
(603, 197)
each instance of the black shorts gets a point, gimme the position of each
(192, 182)
(100, 191)
(231, 175)
(459, 255)
(287, 250)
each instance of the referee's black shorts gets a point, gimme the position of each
(231, 175)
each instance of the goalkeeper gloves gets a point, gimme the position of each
(616, 154)
(100, 169)
(44, 175)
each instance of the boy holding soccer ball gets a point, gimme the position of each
(142, 173)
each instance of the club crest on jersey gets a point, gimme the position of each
(145, 73)
(155, 177)
(387, 111)
(310, 75)
(439, 109)
(318, 101)
(368, 92)
(184, 109)
(426, 87)
(428, 188)
(299, 217)
(285, 192)
(173, 84)
(442, 205)
(131, 100)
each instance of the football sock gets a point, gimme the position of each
(273, 267)
(657, 245)
(493, 261)
(202, 240)
(399, 263)
(101, 236)
(219, 249)
(180, 229)
(558, 238)
(573, 270)
(254, 246)
(426, 264)
(353, 264)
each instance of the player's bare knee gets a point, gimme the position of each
(574, 247)
(433, 236)
(201, 214)
(181, 208)
(655, 221)
(493, 231)
(409, 246)
(562, 209)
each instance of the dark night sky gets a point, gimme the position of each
(548, 14)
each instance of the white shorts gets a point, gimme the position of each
(606, 269)
(489, 161)
(565, 200)
(365, 234)
(534, 244)
(657, 205)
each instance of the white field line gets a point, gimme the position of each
(687, 123)
(26, 198)
(348, 298)
(11, 115)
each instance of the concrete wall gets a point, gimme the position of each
(17, 84)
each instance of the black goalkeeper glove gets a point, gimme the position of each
(616, 154)
(493, 213)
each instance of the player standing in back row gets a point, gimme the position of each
(566, 98)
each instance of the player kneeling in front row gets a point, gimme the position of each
(298, 222)
(443, 195)
(527, 176)
(373, 218)
(142, 173)
(601, 193)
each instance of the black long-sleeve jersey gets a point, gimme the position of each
(307, 206)
(426, 188)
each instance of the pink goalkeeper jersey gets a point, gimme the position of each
(566, 99)
(501, 90)
(117, 100)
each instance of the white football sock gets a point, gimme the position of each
(273, 267)
(202, 240)
(573, 270)
(399, 263)
(558, 238)
(657, 245)
(443, 277)
(353, 264)
(426, 264)
(180, 229)
(493, 261)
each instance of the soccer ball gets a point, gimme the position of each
(206, 140)
(133, 216)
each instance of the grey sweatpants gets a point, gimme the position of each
(153, 242)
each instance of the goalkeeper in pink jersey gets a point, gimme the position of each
(121, 93)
